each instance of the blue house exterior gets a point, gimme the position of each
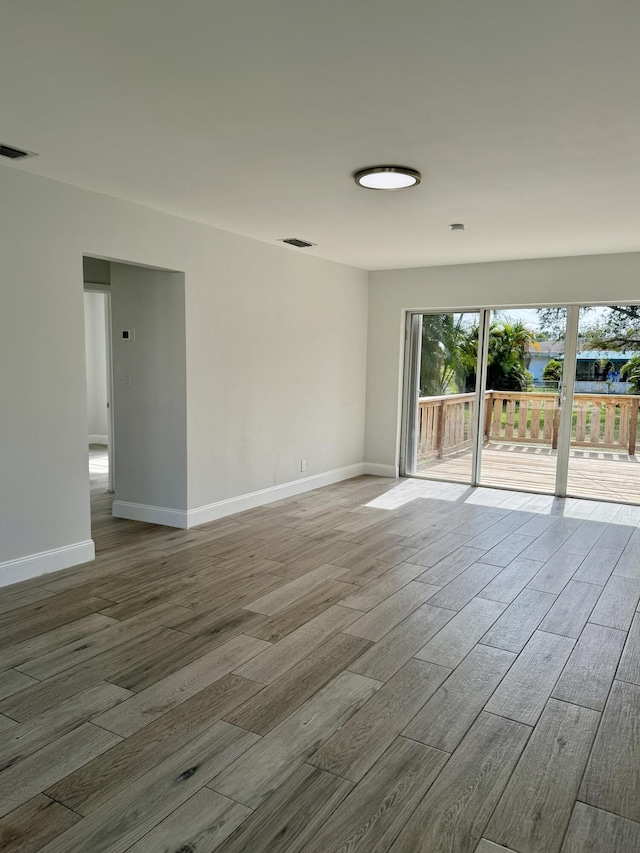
(597, 371)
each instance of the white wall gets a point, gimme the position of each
(275, 355)
(553, 281)
(150, 414)
(96, 357)
(276, 371)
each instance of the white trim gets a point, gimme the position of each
(211, 512)
(150, 514)
(98, 439)
(376, 469)
(33, 565)
(482, 363)
(220, 509)
(410, 369)
(108, 339)
(569, 365)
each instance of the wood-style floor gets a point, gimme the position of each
(379, 665)
(604, 475)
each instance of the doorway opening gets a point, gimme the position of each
(97, 324)
(136, 393)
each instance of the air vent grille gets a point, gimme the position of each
(299, 244)
(14, 153)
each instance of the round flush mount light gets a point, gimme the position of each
(387, 178)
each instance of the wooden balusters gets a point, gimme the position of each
(633, 426)
(602, 421)
(444, 424)
(609, 423)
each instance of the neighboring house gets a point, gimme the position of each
(597, 371)
(600, 372)
(540, 355)
(601, 365)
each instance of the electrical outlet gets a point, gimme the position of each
(303, 464)
(127, 380)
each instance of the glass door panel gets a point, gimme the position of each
(605, 433)
(444, 395)
(521, 421)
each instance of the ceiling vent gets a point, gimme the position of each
(299, 244)
(14, 153)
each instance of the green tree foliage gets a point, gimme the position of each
(450, 355)
(614, 327)
(631, 373)
(509, 342)
(441, 367)
(553, 370)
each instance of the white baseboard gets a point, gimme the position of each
(98, 439)
(24, 568)
(150, 514)
(220, 509)
(33, 565)
(378, 470)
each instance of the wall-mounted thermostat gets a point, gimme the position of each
(128, 334)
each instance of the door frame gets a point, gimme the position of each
(567, 390)
(105, 290)
(410, 376)
(411, 368)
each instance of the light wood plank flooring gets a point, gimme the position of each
(379, 665)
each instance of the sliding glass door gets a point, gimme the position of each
(542, 400)
(442, 386)
(605, 435)
(521, 401)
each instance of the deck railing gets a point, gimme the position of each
(516, 416)
(445, 424)
(607, 422)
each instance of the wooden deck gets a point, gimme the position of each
(598, 474)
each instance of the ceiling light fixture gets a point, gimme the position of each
(387, 178)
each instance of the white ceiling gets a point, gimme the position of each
(251, 115)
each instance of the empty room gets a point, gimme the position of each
(319, 426)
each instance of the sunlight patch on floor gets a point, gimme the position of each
(415, 489)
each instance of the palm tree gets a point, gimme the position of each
(442, 369)
(509, 342)
(631, 372)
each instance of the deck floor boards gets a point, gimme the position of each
(604, 475)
